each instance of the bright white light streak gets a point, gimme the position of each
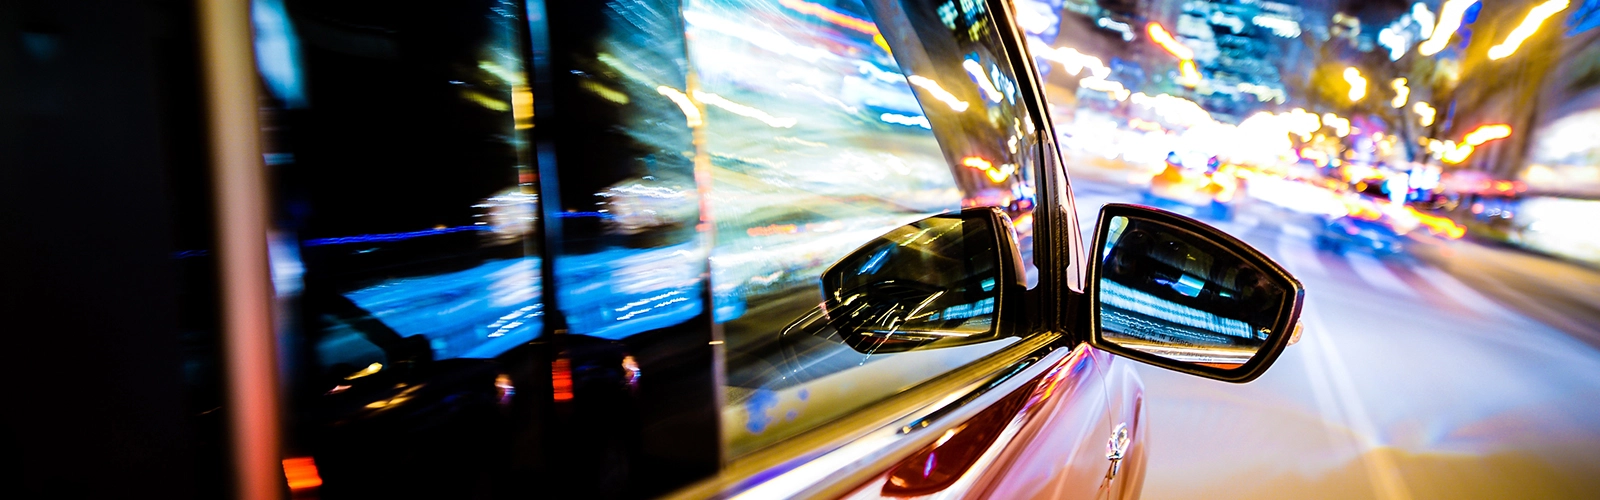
(1424, 112)
(914, 121)
(1340, 126)
(1449, 22)
(933, 89)
(1424, 18)
(690, 111)
(1358, 84)
(976, 71)
(1529, 25)
(742, 110)
(1402, 93)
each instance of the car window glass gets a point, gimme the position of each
(819, 143)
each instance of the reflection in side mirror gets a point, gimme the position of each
(937, 282)
(1176, 293)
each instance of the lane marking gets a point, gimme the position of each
(1299, 257)
(1463, 294)
(1379, 463)
(1376, 275)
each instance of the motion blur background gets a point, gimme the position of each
(1429, 170)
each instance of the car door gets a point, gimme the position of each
(828, 128)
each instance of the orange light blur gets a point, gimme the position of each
(561, 379)
(829, 15)
(301, 473)
(1188, 74)
(1161, 37)
(1439, 225)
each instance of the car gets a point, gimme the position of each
(1209, 193)
(1352, 233)
(741, 286)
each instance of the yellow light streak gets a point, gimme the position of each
(1487, 133)
(1402, 93)
(1425, 112)
(690, 112)
(1165, 40)
(1529, 26)
(1188, 74)
(938, 92)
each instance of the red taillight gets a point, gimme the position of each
(301, 473)
(561, 379)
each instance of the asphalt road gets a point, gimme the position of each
(1461, 370)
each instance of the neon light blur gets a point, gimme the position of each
(1487, 133)
(1165, 40)
(1401, 92)
(1529, 25)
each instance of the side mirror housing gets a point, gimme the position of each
(1174, 292)
(938, 282)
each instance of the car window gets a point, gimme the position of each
(403, 214)
(821, 137)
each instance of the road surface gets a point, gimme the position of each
(1459, 371)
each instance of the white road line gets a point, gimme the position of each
(1463, 294)
(1376, 459)
(1375, 274)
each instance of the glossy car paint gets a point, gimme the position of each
(1051, 445)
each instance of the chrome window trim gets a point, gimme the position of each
(832, 459)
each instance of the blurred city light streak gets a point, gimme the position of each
(1449, 21)
(1188, 74)
(914, 121)
(1487, 133)
(996, 175)
(975, 70)
(938, 92)
(1425, 113)
(690, 112)
(743, 110)
(829, 15)
(1165, 40)
(1402, 93)
(1529, 26)
(1424, 18)
(1358, 83)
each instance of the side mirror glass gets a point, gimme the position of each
(937, 282)
(1171, 291)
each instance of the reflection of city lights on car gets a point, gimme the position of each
(1165, 40)
(743, 110)
(913, 121)
(938, 92)
(1358, 84)
(996, 175)
(826, 14)
(1449, 20)
(1425, 113)
(690, 111)
(1401, 93)
(1529, 25)
(975, 70)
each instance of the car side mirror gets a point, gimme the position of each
(937, 282)
(1174, 292)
